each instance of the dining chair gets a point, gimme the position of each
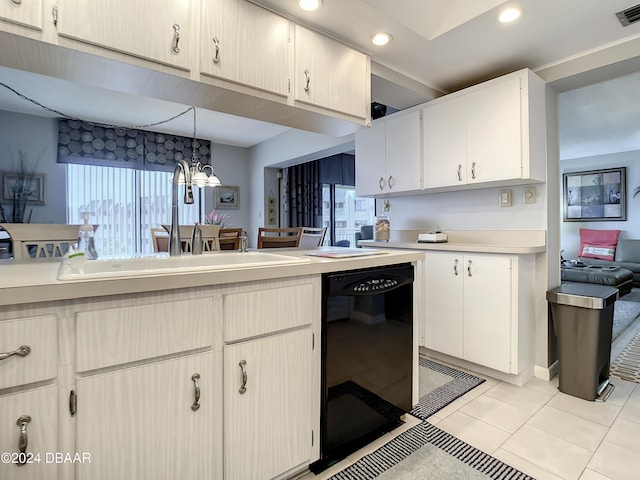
(47, 240)
(311, 237)
(278, 237)
(230, 238)
(159, 239)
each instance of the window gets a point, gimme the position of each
(348, 214)
(125, 203)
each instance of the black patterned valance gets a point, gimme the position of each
(89, 144)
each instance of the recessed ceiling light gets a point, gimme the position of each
(509, 15)
(310, 5)
(381, 38)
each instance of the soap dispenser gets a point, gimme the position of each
(86, 239)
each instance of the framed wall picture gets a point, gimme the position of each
(31, 185)
(227, 197)
(595, 195)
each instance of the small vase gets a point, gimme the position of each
(381, 228)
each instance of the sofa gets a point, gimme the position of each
(627, 255)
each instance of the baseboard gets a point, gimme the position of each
(546, 373)
(519, 380)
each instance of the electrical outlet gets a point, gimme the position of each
(529, 195)
(505, 197)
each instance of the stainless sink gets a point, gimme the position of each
(149, 266)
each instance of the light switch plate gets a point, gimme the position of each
(505, 197)
(529, 195)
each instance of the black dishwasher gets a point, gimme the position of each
(367, 348)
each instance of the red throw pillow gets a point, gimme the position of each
(598, 243)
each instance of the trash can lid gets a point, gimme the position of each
(585, 295)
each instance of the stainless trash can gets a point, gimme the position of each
(582, 316)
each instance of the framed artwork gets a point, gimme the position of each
(595, 195)
(33, 186)
(227, 197)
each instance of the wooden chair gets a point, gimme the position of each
(210, 235)
(41, 240)
(230, 238)
(278, 237)
(159, 239)
(311, 237)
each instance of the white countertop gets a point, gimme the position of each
(458, 247)
(36, 281)
(516, 242)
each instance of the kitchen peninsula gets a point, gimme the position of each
(229, 359)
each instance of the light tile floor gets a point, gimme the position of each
(542, 431)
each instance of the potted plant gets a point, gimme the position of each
(21, 189)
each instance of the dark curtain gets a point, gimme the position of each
(304, 195)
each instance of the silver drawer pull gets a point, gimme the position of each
(23, 440)
(17, 2)
(176, 38)
(216, 57)
(23, 351)
(195, 377)
(243, 387)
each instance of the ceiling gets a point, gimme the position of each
(438, 46)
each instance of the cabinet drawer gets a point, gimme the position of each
(121, 335)
(40, 405)
(251, 314)
(41, 336)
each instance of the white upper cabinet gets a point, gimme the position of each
(492, 133)
(245, 44)
(389, 156)
(331, 75)
(26, 13)
(156, 30)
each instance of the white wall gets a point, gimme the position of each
(36, 137)
(570, 231)
(467, 210)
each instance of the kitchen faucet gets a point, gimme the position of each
(175, 244)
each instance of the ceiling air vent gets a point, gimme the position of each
(629, 16)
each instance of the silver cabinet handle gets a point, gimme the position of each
(176, 38)
(23, 351)
(455, 267)
(17, 2)
(243, 387)
(381, 183)
(216, 56)
(308, 75)
(469, 268)
(54, 15)
(390, 182)
(23, 440)
(195, 377)
(459, 172)
(473, 170)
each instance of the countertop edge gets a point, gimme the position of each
(458, 247)
(50, 289)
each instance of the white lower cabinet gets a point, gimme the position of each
(152, 421)
(471, 308)
(267, 398)
(29, 433)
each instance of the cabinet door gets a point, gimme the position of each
(337, 77)
(139, 422)
(445, 143)
(404, 152)
(267, 428)
(494, 132)
(487, 311)
(41, 406)
(371, 160)
(443, 294)
(144, 28)
(246, 44)
(28, 13)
